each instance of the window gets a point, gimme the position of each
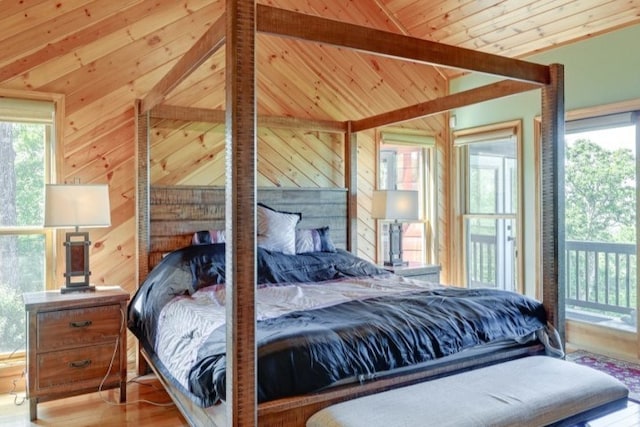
(26, 144)
(407, 162)
(600, 220)
(488, 164)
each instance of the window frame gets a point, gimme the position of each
(578, 332)
(394, 137)
(53, 162)
(573, 115)
(461, 139)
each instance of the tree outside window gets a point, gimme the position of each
(600, 218)
(23, 157)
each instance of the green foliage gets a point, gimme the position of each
(22, 262)
(31, 263)
(12, 321)
(599, 193)
(29, 145)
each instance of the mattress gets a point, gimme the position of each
(323, 319)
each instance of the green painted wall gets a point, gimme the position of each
(602, 70)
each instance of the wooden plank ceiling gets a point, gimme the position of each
(130, 44)
(103, 54)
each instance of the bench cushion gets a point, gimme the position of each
(532, 391)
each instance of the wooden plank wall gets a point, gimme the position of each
(367, 173)
(100, 56)
(192, 153)
(104, 55)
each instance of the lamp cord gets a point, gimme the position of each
(14, 382)
(13, 392)
(113, 356)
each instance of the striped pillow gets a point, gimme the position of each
(314, 240)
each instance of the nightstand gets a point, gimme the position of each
(426, 272)
(73, 340)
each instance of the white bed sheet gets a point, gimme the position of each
(186, 321)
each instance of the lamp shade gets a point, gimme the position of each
(395, 204)
(77, 205)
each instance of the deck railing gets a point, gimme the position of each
(600, 277)
(482, 262)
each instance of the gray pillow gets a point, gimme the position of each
(314, 240)
(277, 229)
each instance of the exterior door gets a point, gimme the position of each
(489, 200)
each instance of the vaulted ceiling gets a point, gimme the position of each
(102, 55)
(97, 52)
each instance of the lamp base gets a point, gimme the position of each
(77, 288)
(396, 263)
(77, 263)
(395, 246)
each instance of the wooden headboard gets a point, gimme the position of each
(176, 212)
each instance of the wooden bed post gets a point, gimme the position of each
(351, 182)
(552, 163)
(142, 206)
(240, 221)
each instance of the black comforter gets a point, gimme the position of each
(309, 350)
(306, 351)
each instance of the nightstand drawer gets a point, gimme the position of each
(68, 328)
(67, 367)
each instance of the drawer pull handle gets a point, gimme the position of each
(82, 324)
(80, 363)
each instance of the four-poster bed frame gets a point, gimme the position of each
(236, 30)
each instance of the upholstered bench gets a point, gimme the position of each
(532, 391)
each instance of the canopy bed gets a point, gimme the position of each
(168, 217)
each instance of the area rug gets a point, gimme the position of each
(627, 372)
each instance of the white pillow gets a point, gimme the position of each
(277, 230)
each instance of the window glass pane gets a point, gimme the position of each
(491, 253)
(25, 133)
(22, 176)
(402, 168)
(413, 242)
(600, 184)
(387, 170)
(600, 221)
(493, 177)
(22, 269)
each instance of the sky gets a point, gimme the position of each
(621, 137)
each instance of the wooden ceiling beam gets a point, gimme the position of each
(207, 45)
(191, 114)
(207, 115)
(298, 123)
(287, 23)
(445, 103)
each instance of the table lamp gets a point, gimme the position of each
(75, 206)
(395, 205)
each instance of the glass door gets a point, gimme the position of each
(489, 205)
